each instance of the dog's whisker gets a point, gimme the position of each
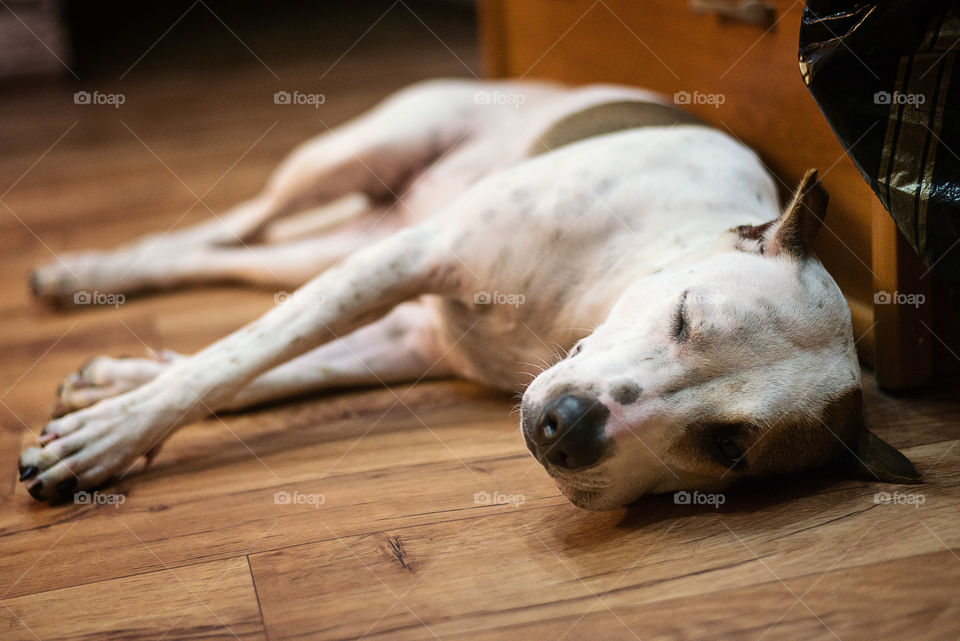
(539, 368)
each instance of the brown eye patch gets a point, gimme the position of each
(716, 445)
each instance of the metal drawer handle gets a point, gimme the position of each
(755, 12)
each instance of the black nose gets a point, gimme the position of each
(569, 432)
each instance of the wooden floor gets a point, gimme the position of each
(383, 536)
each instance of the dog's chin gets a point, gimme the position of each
(588, 499)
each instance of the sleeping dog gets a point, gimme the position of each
(472, 229)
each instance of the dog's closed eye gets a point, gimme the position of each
(680, 325)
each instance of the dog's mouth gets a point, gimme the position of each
(589, 478)
(584, 487)
(584, 497)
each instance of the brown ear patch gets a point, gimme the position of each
(802, 219)
(815, 442)
(878, 460)
(805, 441)
(793, 233)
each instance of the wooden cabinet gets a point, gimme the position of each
(744, 79)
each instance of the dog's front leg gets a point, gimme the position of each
(86, 448)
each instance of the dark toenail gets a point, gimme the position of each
(35, 490)
(27, 472)
(59, 389)
(65, 489)
(35, 283)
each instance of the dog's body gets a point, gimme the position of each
(529, 217)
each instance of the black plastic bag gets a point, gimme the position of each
(884, 74)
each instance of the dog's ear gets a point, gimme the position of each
(792, 234)
(875, 459)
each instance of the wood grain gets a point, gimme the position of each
(203, 601)
(532, 564)
(846, 604)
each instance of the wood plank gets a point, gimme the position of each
(908, 421)
(544, 560)
(893, 600)
(203, 601)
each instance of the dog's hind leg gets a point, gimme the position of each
(104, 439)
(400, 347)
(281, 266)
(376, 155)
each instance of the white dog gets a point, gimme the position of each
(498, 222)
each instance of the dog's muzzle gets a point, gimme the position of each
(567, 432)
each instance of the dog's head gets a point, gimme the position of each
(742, 365)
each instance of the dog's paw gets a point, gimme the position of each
(64, 282)
(53, 285)
(103, 377)
(89, 447)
